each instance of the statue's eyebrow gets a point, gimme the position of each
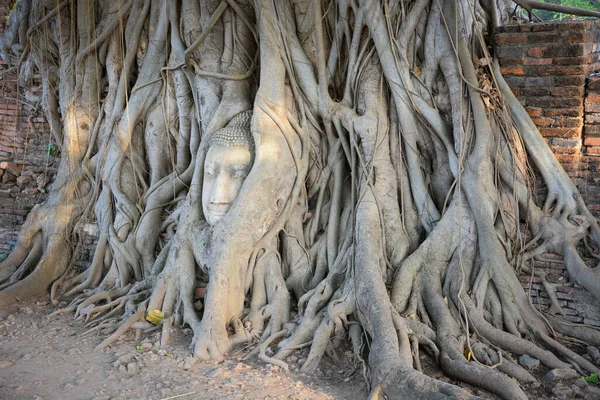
(239, 167)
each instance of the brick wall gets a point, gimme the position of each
(26, 168)
(551, 69)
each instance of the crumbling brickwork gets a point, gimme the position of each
(551, 68)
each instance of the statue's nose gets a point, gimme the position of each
(222, 191)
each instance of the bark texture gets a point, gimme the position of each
(390, 200)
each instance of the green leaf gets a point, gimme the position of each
(139, 347)
(51, 149)
(593, 378)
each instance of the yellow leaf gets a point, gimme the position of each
(446, 300)
(155, 316)
(468, 354)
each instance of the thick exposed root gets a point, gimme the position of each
(389, 195)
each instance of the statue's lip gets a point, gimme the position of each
(219, 210)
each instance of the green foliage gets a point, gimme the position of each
(3, 256)
(51, 150)
(11, 7)
(593, 5)
(593, 378)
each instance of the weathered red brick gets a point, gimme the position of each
(567, 112)
(534, 111)
(535, 91)
(561, 132)
(572, 26)
(567, 91)
(578, 60)
(570, 122)
(573, 80)
(535, 52)
(592, 141)
(593, 84)
(592, 129)
(593, 97)
(512, 70)
(540, 101)
(536, 61)
(567, 158)
(511, 38)
(504, 62)
(543, 122)
(506, 29)
(557, 69)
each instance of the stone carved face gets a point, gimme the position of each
(227, 164)
(225, 170)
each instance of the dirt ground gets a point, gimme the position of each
(48, 358)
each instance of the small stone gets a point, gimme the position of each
(26, 310)
(577, 392)
(122, 368)
(562, 392)
(560, 374)
(529, 362)
(132, 368)
(146, 346)
(23, 180)
(594, 391)
(69, 386)
(191, 360)
(580, 383)
(5, 364)
(126, 359)
(535, 385)
(594, 353)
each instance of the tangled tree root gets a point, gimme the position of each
(389, 199)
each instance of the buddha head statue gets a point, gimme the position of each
(228, 161)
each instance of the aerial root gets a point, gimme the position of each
(129, 323)
(587, 334)
(303, 334)
(89, 304)
(93, 274)
(555, 307)
(414, 346)
(495, 359)
(165, 334)
(335, 322)
(14, 272)
(270, 297)
(507, 341)
(270, 360)
(578, 362)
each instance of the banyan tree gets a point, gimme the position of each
(332, 172)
